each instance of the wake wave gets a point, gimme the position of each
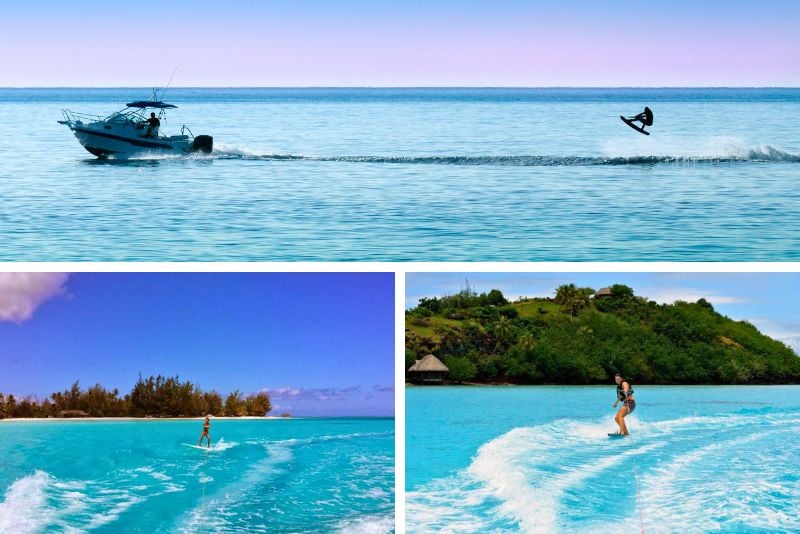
(377, 524)
(211, 511)
(568, 476)
(40, 501)
(757, 154)
(321, 439)
(334, 437)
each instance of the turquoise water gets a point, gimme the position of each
(538, 459)
(412, 175)
(301, 475)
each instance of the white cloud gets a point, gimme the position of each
(785, 331)
(22, 293)
(316, 394)
(668, 295)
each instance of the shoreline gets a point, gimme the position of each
(200, 418)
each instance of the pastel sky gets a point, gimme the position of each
(771, 301)
(411, 43)
(319, 343)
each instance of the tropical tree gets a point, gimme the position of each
(565, 293)
(502, 330)
(527, 341)
(496, 298)
(460, 369)
(258, 404)
(234, 405)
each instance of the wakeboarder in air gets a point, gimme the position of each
(645, 117)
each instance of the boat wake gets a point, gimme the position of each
(695, 473)
(40, 502)
(616, 152)
(207, 514)
(755, 154)
(334, 437)
(718, 151)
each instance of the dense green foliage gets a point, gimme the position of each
(152, 397)
(581, 338)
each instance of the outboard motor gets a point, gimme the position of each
(203, 143)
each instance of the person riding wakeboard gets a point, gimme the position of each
(624, 394)
(206, 428)
(645, 117)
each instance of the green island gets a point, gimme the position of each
(583, 336)
(151, 397)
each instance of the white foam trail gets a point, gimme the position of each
(222, 445)
(524, 477)
(527, 494)
(211, 514)
(41, 502)
(514, 473)
(224, 149)
(378, 524)
(686, 494)
(335, 437)
(113, 513)
(25, 507)
(713, 148)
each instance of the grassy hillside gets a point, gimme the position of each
(581, 338)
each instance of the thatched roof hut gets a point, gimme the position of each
(428, 370)
(603, 292)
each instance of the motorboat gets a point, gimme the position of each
(130, 132)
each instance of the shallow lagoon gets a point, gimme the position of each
(298, 475)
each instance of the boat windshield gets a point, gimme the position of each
(128, 115)
(122, 117)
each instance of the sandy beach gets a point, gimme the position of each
(143, 419)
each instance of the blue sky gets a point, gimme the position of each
(410, 43)
(320, 343)
(771, 301)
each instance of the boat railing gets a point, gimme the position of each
(73, 117)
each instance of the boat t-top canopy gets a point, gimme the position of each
(150, 104)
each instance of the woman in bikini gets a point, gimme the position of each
(206, 426)
(624, 395)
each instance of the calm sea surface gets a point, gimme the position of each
(538, 459)
(301, 475)
(411, 175)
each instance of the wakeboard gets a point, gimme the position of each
(630, 123)
(197, 447)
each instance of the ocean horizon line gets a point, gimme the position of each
(411, 87)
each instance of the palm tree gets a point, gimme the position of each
(565, 293)
(527, 341)
(502, 330)
(580, 300)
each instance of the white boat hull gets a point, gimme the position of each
(107, 143)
